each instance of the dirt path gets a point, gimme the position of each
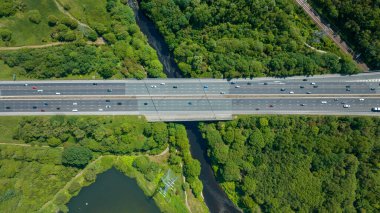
(98, 42)
(60, 7)
(27, 145)
(329, 32)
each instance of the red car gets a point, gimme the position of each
(34, 87)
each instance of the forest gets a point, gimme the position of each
(297, 163)
(228, 39)
(358, 22)
(126, 53)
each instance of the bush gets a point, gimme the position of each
(5, 34)
(34, 16)
(76, 156)
(54, 142)
(91, 35)
(52, 20)
(74, 187)
(71, 23)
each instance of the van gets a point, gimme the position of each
(40, 90)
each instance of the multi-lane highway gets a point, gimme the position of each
(200, 99)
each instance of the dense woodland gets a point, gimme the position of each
(244, 38)
(358, 22)
(298, 163)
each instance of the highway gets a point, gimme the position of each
(195, 99)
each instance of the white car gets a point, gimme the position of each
(100, 110)
(75, 103)
(291, 92)
(361, 99)
(324, 102)
(221, 92)
(57, 93)
(153, 86)
(312, 83)
(108, 106)
(40, 90)
(75, 110)
(162, 83)
(237, 86)
(346, 106)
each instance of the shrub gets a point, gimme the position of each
(52, 20)
(34, 16)
(76, 156)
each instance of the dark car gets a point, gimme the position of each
(145, 104)
(372, 88)
(302, 104)
(119, 103)
(42, 110)
(175, 87)
(315, 86)
(46, 104)
(190, 103)
(94, 83)
(265, 83)
(109, 90)
(271, 106)
(348, 89)
(108, 101)
(58, 108)
(302, 87)
(7, 107)
(304, 79)
(282, 89)
(34, 107)
(249, 83)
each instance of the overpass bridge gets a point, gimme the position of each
(195, 99)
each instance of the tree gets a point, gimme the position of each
(76, 156)
(69, 22)
(5, 34)
(192, 169)
(54, 142)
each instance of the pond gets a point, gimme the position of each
(112, 192)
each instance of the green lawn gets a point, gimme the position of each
(25, 32)
(88, 11)
(8, 126)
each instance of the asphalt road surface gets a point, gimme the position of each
(201, 99)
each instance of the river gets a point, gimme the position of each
(112, 192)
(215, 198)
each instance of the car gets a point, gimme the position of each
(257, 109)
(302, 104)
(348, 86)
(75, 103)
(109, 90)
(302, 87)
(145, 103)
(100, 110)
(312, 83)
(25, 84)
(40, 90)
(315, 86)
(189, 103)
(45, 104)
(175, 87)
(372, 88)
(346, 106)
(265, 83)
(282, 89)
(375, 109)
(304, 79)
(249, 83)
(34, 107)
(308, 92)
(57, 93)
(153, 86)
(232, 82)
(42, 110)
(335, 99)
(119, 103)
(162, 83)
(34, 87)
(8, 107)
(58, 108)
(291, 92)
(324, 102)
(237, 86)
(75, 110)
(108, 106)
(342, 102)
(361, 99)
(348, 89)
(271, 106)
(108, 101)
(94, 84)
(205, 86)
(221, 92)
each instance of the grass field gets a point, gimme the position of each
(26, 33)
(8, 126)
(88, 11)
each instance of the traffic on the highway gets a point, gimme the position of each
(358, 94)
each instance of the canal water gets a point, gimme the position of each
(216, 199)
(112, 192)
(156, 40)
